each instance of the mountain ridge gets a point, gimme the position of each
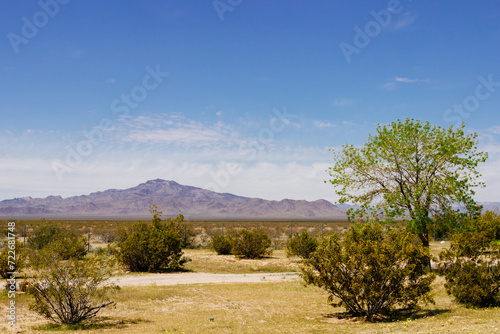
(172, 198)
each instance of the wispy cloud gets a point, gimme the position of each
(392, 84)
(405, 20)
(175, 130)
(349, 123)
(408, 80)
(323, 124)
(389, 86)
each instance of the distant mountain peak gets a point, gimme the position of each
(172, 198)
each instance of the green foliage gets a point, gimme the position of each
(44, 235)
(251, 244)
(410, 169)
(110, 250)
(70, 291)
(222, 244)
(66, 243)
(12, 258)
(369, 272)
(492, 219)
(302, 245)
(152, 247)
(471, 266)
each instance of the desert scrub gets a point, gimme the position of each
(222, 244)
(67, 243)
(70, 291)
(302, 245)
(153, 247)
(251, 244)
(471, 266)
(370, 272)
(9, 264)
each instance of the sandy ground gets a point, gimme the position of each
(197, 278)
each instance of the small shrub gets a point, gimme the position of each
(12, 258)
(71, 291)
(471, 266)
(369, 272)
(492, 219)
(302, 245)
(251, 244)
(44, 235)
(222, 244)
(153, 248)
(66, 243)
(106, 236)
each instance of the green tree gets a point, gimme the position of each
(152, 247)
(412, 171)
(371, 272)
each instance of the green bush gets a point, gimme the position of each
(302, 245)
(70, 291)
(222, 244)
(370, 272)
(11, 258)
(492, 219)
(471, 266)
(64, 242)
(251, 244)
(152, 248)
(44, 235)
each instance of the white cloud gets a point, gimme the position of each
(407, 80)
(388, 86)
(219, 113)
(174, 130)
(193, 137)
(323, 124)
(392, 84)
(403, 21)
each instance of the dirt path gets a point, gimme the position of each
(197, 278)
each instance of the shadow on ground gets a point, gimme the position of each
(98, 323)
(399, 315)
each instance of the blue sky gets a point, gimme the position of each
(235, 96)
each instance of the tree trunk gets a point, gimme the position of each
(424, 237)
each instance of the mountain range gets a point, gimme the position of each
(171, 198)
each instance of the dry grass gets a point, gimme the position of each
(286, 307)
(207, 261)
